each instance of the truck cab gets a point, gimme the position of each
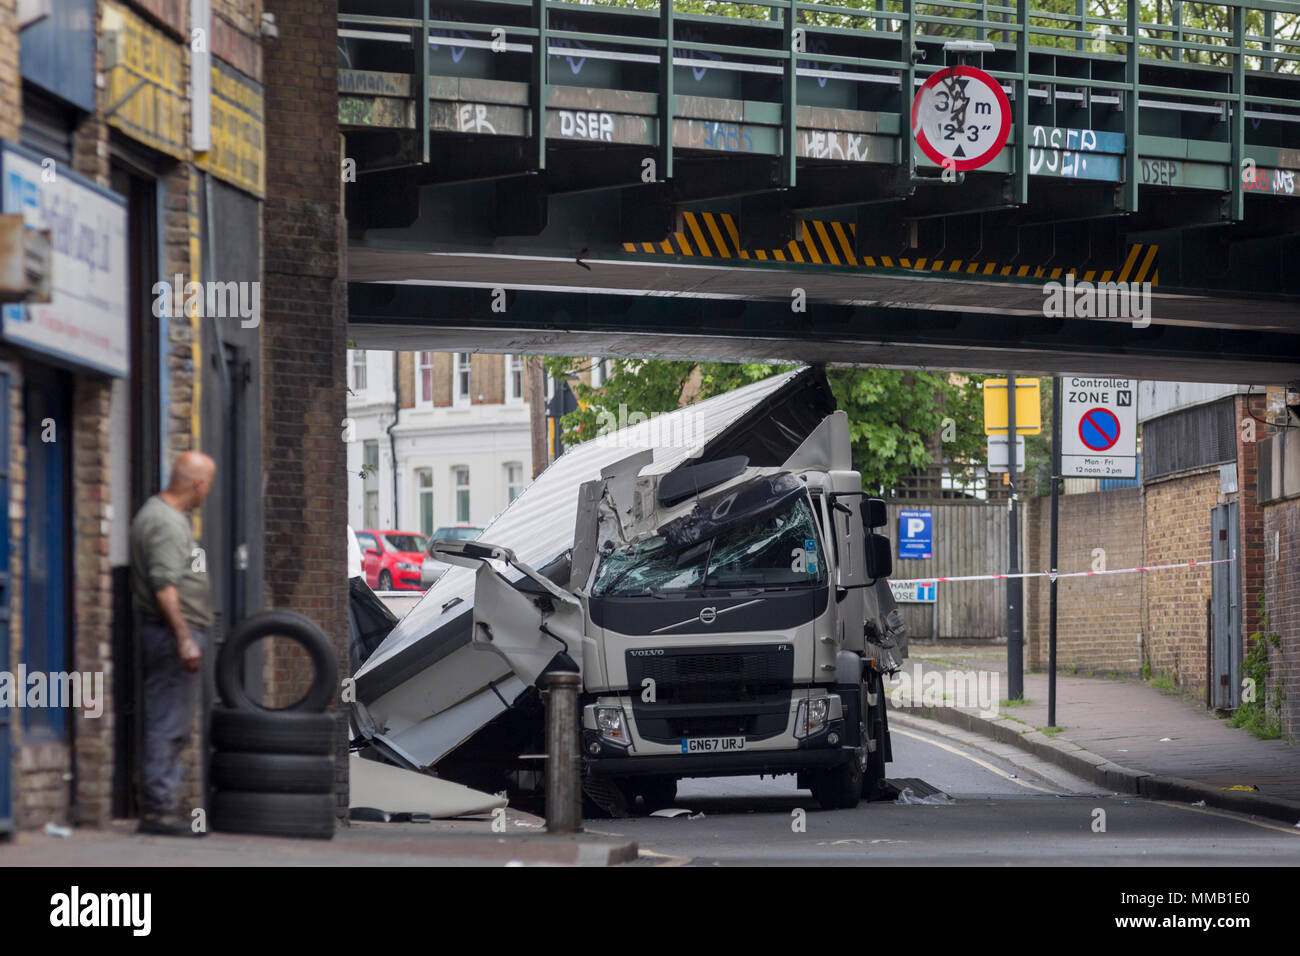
(726, 620)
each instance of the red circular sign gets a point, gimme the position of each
(961, 118)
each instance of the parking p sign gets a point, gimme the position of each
(916, 534)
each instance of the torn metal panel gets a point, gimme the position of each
(421, 662)
(394, 790)
(827, 448)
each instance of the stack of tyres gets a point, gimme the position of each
(272, 771)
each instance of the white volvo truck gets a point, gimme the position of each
(726, 620)
(712, 576)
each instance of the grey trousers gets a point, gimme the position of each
(169, 698)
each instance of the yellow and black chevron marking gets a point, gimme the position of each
(710, 235)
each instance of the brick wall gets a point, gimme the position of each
(1281, 576)
(1099, 619)
(487, 379)
(443, 369)
(405, 385)
(304, 332)
(1177, 529)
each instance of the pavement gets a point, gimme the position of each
(461, 842)
(1123, 734)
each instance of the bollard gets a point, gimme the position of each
(563, 784)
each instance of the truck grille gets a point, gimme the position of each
(691, 676)
(712, 691)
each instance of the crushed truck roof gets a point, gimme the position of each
(426, 689)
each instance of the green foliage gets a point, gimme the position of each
(1263, 715)
(898, 420)
(1195, 16)
(1146, 670)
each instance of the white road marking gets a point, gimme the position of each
(983, 763)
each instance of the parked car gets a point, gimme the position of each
(391, 559)
(432, 568)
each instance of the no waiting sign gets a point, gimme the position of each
(1098, 427)
(961, 118)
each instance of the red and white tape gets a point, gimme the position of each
(1058, 575)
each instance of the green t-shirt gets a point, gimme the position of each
(163, 554)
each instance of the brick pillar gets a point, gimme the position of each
(93, 596)
(11, 85)
(304, 333)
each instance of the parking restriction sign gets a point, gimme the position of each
(1098, 427)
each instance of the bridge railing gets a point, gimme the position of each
(1100, 51)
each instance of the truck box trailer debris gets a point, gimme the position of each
(429, 695)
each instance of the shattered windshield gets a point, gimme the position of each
(779, 549)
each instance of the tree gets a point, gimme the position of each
(1194, 16)
(898, 420)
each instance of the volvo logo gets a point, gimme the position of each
(706, 616)
(654, 652)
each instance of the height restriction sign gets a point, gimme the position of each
(1098, 427)
(961, 118)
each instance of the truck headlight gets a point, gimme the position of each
(612, 725)
(812, 716)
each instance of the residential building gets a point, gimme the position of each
(435, 438)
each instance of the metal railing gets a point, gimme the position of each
(1091, 51)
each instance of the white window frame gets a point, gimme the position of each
(420, 366)
(423, 496)
(515, 366)
(457, 486)
(521, 484)
(357, 366)
(599, 372)
(461, 365)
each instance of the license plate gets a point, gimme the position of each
(712, 745)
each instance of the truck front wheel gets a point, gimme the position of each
(873, 781)
(839, 788)
(659, 793)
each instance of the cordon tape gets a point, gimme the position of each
(1056, 575)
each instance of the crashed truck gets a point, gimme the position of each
(713, 576)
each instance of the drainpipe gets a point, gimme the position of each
(392, 439)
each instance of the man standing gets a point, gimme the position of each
(173, 606)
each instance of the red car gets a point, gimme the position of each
(391, 560)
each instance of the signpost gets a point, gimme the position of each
(1099, 427)
(961, 118)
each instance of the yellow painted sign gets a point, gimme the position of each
(1028, 416)
(238, 135)
(146, 85)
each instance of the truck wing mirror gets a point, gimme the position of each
(879, 558)
(873, 513)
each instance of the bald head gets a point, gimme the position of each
(192, 475)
